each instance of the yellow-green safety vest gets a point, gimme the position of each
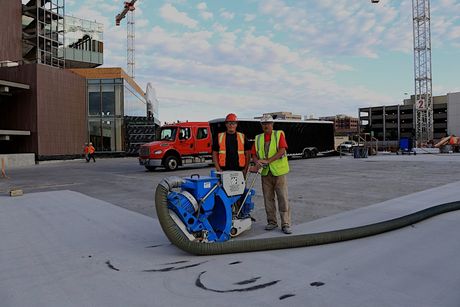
(278, 167)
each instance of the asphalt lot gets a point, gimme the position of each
(317, 187)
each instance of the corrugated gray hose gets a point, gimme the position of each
(177, 238)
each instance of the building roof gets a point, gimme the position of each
(107, 73)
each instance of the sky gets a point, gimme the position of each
(309, 57)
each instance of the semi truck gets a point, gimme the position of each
(191, 142)
(305, 138)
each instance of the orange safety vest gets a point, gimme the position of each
(222, 148)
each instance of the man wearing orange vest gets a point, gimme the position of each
(89, 152)
(231, 149)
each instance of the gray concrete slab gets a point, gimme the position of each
(317, 187)
(63, 248)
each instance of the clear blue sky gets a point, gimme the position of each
(309, 57)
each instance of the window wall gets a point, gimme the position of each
(109, 100)
(105, 114)
(84, 45)
(134, 103)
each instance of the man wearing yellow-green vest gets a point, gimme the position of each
(269, 152)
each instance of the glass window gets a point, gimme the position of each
(82, 34)
(95, 134)
(134, 103)
(107, 81)
(108, 100)
(168, 134)
(94, 100)
(94, 81)
(108, 135)
(184, 133)
(202, 133)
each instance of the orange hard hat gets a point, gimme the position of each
(231, 118)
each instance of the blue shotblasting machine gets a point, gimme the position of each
(212, 208)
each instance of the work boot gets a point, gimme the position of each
(271, 226)
(287, 230)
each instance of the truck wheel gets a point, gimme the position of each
(150, 168)
(171, 163)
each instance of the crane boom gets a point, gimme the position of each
(128, 7)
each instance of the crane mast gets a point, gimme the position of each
(423, 103)
(422, 71)
(130, 37)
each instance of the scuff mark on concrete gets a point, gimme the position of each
(200, 284)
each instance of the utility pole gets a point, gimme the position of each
(128, 9)
(423, 95)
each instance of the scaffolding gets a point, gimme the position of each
(43, 32)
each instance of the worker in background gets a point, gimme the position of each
(231, 149)
(89, 152)
(269, 152)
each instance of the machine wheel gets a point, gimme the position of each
(171, 163)
(150, 168)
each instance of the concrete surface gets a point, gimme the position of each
(317, 187)
(63, 248)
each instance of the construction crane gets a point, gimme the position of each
(130, 37)
(422, 71)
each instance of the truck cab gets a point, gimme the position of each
(179, 143)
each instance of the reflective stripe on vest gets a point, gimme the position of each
(223, 152)
(278, 167)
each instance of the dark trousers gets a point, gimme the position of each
(89, 157)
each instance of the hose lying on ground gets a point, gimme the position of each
(176, 236)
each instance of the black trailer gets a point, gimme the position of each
(304, 138)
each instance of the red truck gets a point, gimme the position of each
(179, 143)
(190, 142)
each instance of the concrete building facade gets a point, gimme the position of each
(49, 114)
(343, 124)
(391, 123)
(453, 114)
